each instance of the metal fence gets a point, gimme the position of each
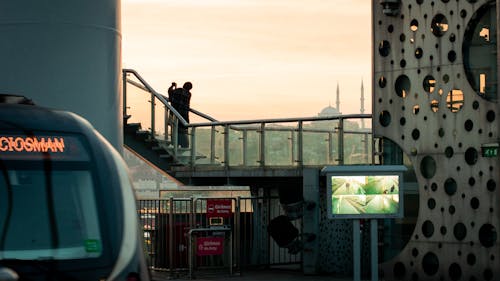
(170, 225)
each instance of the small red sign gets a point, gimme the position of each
(209, 246)
(219, 208)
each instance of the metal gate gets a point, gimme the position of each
(167, 223)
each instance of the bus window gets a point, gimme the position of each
(51, 215)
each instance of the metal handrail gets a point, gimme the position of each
(257, 125)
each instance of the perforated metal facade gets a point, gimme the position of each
(435, 95)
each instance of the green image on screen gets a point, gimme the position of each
(374, 194)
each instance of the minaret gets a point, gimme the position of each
(362, 110)
(337, 103)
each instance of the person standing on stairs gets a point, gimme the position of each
(180, 99)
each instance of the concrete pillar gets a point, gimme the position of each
(65, 55)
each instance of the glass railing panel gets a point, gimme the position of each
(251, 148)
(160, 124)
(219, 145)
(315, 146)
(279, 149)
(236, 146)
(204, 146)
(139, 106)
(357, 148)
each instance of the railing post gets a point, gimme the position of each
(212, 145)
(292, 147)
(262, 145)
(237, 232)
(226, 145)
(171, 235)
(175, 133)
(365, 147)
(153, 115)
(300, 144)
(341, 141)
(330, 147)
(165, 123)
(193, 146)
(245, 147)
(124, 89)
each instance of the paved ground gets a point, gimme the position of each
(250, 275)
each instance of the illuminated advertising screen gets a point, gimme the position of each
(364, 191)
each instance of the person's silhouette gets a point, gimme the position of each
(180, 99)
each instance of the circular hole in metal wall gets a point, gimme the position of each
(455, 271)
(385, 118)
(441, 132)
(384, 48)
(455, 100)
(439, 25)
(452, 56)
(487, 274)
(414, 252)
(450, 186)
(427, 229)
(471, 156)
(399, 270)
(402, 121)
(415, 134)
(446, 78)
(382, 82)
(480, 40)
(402, 86)
(430, 264)
(491, 185)
(402, 37)
(390, 28)
(460, 231)
(443, 230)
(434, 186)
(414, 25)
(402, 63)
(487, 235)
(448, 152)
(451, 209)
(475, 105)
(429, 83)
(463, 13)
(468, 125)
(419, 53)
(471, 259)
(428, 167)
(472, 181)
(453, 38)
(416, 109)
(434, 105)
(490, 116)
(474, 203)
(431, 203)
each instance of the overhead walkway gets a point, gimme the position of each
(237, 151)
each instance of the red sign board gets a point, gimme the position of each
(219, 208)
(209, 246)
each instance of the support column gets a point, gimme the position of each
(311, 220)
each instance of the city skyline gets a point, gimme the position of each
(248, 59)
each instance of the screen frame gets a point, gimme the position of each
(362, 170)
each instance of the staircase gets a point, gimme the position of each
(157, 152)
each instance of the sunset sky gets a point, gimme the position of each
(252, 59)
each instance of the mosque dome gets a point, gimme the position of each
(329, 111)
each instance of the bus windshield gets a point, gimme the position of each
(48, 214)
